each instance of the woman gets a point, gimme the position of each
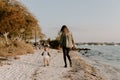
(67, 42)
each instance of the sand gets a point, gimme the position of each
(83, 70)
(30, 67)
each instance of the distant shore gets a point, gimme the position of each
(98, 43)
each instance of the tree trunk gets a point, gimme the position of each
(6, 37)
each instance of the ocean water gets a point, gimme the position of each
(106, 54)
(106, 58)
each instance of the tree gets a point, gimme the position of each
(14, 16)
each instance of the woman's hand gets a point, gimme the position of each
(74, 47)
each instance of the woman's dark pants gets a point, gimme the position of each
(66, 54)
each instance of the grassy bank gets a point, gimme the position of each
(16, 48)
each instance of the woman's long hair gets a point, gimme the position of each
(63, 27)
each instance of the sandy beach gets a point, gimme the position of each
(30, 67)
(86, 30)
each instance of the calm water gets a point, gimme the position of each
(105, 54)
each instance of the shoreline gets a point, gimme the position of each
(30, 67)
(82, 70)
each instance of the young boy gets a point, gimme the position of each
(46, 57)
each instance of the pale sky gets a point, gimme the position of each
(88, 20)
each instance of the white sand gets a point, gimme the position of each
(30, 67)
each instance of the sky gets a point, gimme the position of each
(88, 20)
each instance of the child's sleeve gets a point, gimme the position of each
(42, 53)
